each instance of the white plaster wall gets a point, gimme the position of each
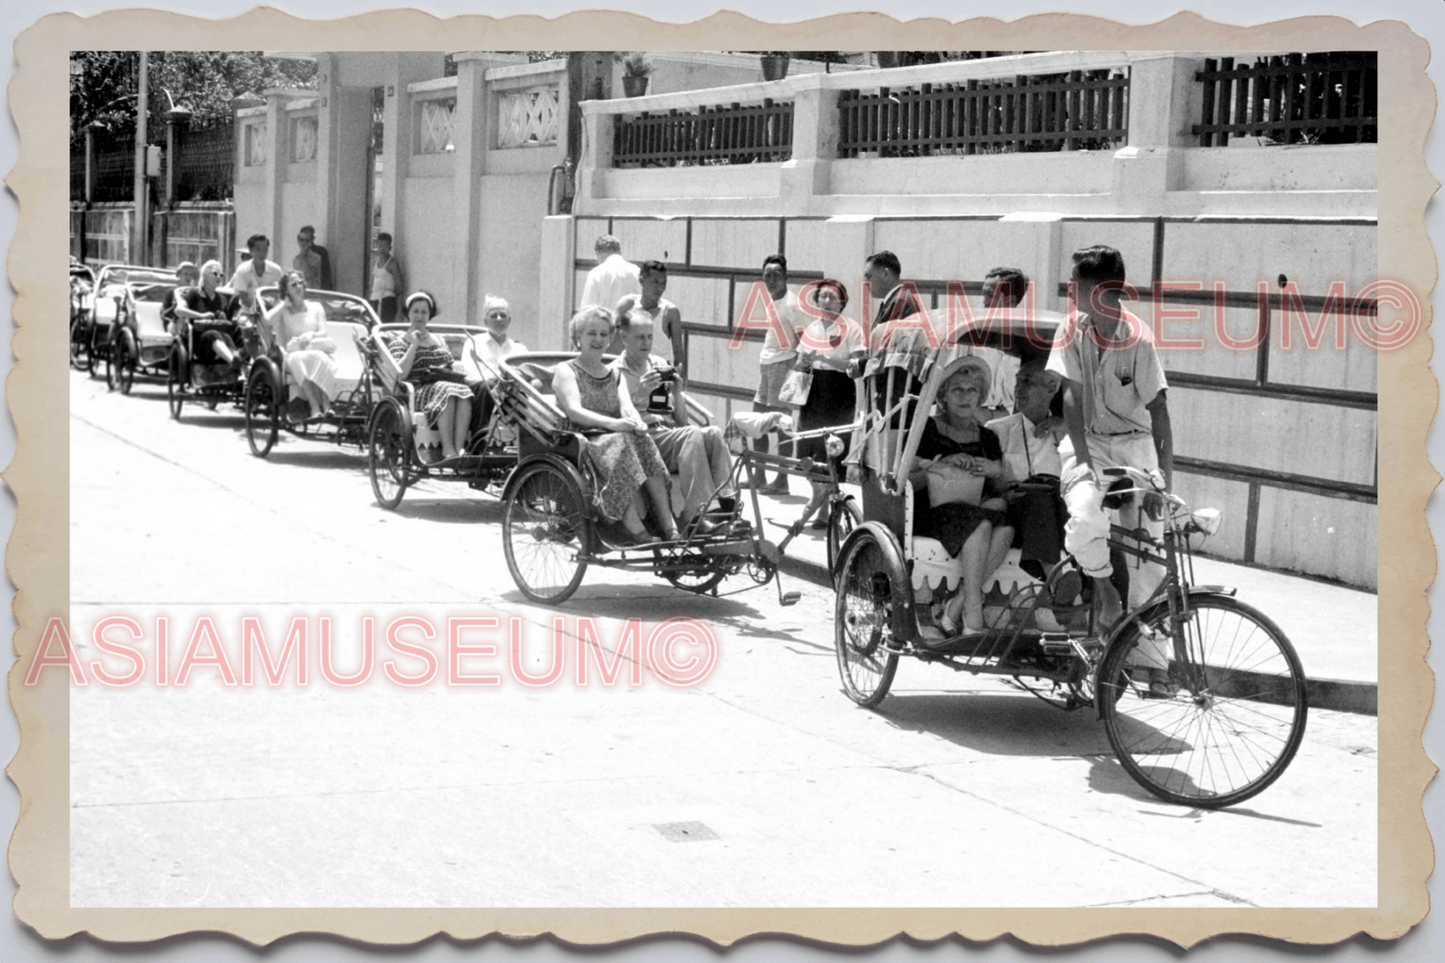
(298, 207)
(510, 247)
(426, 258)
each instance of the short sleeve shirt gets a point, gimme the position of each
(1024, 453)
(491, 354)
(245, 280)
(794, 322)
(1119, 377)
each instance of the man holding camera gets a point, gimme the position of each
(698, 454)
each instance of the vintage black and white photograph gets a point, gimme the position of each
(679, 478)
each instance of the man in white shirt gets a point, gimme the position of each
(255, 272)
(482, 363)
(612, 278)
(1029, 439)
(697, 453)
(1003, 288)
(778, 357)
(1116, 414)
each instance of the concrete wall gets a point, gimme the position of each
(1238, 431)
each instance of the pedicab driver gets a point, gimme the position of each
(1115, 413)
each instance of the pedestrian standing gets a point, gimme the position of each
(313, 261)
(612, 278)
(780, 351)
(386, 278)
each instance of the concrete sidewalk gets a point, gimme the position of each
(1334, 628)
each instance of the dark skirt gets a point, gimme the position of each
(953, 523)
(830, 403)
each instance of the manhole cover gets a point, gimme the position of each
(685, 832)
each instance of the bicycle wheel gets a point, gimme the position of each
(263, 423)
(129, 356)
(863, 619)
(844, 516)
(544, 531)
(80, 357)
(1228, 719)
(390, 445)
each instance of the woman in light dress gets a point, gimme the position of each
(299, 328)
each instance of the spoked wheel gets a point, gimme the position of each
(699, 581)
(1225, 720)
(98, 350)
(176, 382)
(844, 516)
(390, 447)
(80, 357)
(544, 531)
(262, 417)
(863, 622)
(126, 363)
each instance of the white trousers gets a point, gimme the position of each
(1086, 535)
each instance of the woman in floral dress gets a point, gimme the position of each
(625, 460)
(427, 363)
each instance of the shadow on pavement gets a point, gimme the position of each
(999, 723)
(457, 508)
(650, 605)
(338, 458)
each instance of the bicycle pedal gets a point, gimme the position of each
(1056, 644)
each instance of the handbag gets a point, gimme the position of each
(948, 484)
(796, 387)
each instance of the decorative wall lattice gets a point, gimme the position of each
(436, 126)
(303, 140)
(257, 145)
(527, 117)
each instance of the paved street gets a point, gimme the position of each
(763, 786)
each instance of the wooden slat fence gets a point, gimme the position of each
(732, 134)
(1314, 98)
(1081, 110)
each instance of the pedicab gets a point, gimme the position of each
(82, 292)
(139, 339)
(209, 384)
(108, 304)
(1202, 696)
(405, 449)
(552, 531)
(349, 321)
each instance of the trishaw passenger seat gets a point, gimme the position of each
(350, 367)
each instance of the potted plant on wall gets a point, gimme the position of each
(636, 68)
(775, 64)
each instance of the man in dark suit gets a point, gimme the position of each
(891, 343)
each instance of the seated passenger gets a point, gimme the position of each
(214, 343)
(625, 460)
(426, 362)
(187, 274)
(1029, 439)
(698, 454)
(959, 453)
(298, 327)
(482, 358)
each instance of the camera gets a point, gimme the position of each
(661, 398)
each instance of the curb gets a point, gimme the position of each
(1336, 695)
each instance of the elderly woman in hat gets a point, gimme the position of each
(955, 458)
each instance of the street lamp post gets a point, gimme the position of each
(141, 233)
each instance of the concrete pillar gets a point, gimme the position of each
(278, 148)
(596, 158)
(557, 281)
(1163, 107)
(396, 141)
(815, 146)
(471, 126)
(328, 152)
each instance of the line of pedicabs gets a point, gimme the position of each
(1202, 696)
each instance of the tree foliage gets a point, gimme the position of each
(104, 85)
